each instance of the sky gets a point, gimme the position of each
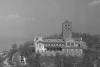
(22, 20)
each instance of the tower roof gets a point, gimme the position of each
(67, 21)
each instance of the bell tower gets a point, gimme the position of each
(66, 30)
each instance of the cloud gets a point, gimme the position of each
(27, 18)
(9, 17)
(14, 17)
(94, 2)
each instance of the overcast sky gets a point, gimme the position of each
(22, 20)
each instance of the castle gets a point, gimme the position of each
(67, 45)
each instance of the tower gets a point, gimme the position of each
(66, 30)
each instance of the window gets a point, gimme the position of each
(68, 43)
(68, 25)
(72, 43)
(79, 45)
(57, 40)
(68, 28)
(74, 49)
(65, 25)
(68, 35)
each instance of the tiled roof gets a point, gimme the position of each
(53, 38)
(52, 42)
(77, 39)
(71, 47)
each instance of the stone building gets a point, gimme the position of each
(67, 45)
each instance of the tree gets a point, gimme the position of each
(34, 60)
(1, 59)
(58, 60)
(14, 46)
(37, 60)
(25, 48)
(68, 61)
(89, 59)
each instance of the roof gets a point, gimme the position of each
(67, 21)
(77, 39)
(57, 41)
(52, 38)
(52, 42)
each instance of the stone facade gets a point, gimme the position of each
(67, 45)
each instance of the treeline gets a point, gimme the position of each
(90, 58)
